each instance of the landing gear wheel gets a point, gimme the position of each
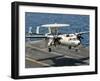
(49, 49)
(69, 47)
(76, 50)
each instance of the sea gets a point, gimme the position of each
(77, 22)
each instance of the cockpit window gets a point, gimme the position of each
(73, 39)
(70, 39)
(67, 35)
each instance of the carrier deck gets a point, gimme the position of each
(37, 55)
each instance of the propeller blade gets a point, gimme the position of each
(56, 40)
(79, 36)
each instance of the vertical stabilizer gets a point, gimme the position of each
(37, 29)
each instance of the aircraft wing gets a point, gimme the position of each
(82, 32)
(41, 36)
(35, 36)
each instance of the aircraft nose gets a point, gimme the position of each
(78, 43)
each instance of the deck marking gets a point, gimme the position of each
(42, 50)
(69, 54)
(32, 60)
(36, 48)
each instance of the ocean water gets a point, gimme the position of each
(78, 23)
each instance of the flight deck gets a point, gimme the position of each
(37, 55)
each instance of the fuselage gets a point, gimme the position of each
(69, 41)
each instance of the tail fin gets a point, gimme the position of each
(37, 29)
(30, 30)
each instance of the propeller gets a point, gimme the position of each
(79, 37)
(56, 41)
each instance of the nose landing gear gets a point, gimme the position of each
(49, 49)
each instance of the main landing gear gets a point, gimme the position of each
(49, 49)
